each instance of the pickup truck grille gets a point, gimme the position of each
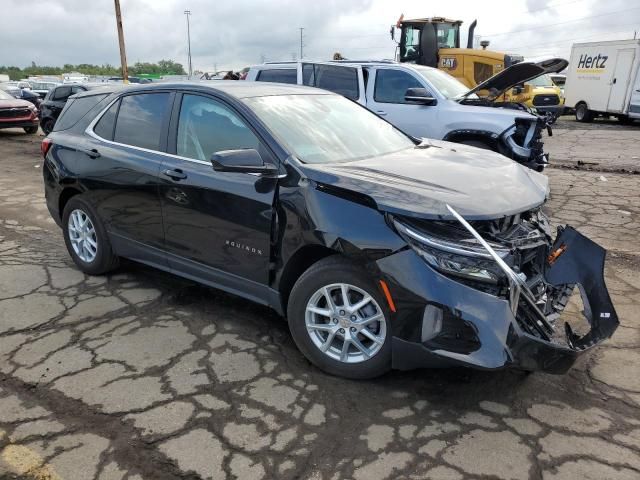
(7, 113)
(544, 100)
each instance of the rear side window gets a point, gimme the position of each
(341, 80)
(75, 109)
(104, 127)
(140, 120)
(280, 75)
(61, 94)
(391, 85)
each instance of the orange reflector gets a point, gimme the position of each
(387, 294)
(553, 256)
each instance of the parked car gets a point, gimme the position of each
(382, 250)
(12, 90)
(55, 101)
(32, 98)
(17, 113)
(438, 105)
(42, 87)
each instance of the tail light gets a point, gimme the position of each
(45, 146)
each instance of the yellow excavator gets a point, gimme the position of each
(435, 42)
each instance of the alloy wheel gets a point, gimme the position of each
(82, 235)
(345, 323)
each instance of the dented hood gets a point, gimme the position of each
(519, 73)
(420, 182)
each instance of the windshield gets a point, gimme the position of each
(5, 96)
(327, 128)
(542, 81)
(444, 83)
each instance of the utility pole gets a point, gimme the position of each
(123, 54)
(301, 44)
(188, 13)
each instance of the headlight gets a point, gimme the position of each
(464, 258)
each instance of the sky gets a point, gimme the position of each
(238, 33)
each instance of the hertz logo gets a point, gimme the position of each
(587, 62)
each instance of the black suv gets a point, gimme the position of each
(54, 102)
(382, 250)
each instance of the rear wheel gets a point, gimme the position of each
(47, 125)
(31, 130)
(339, 320)
(86, 238)
(583, 114)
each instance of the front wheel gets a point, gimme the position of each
(583, 114)
(340, 321)
(47, 125)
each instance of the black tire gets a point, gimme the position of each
(477, 144)
(31, 130)
(47, 125)
(333, 270)
(105, 260)
(625, 120)
(583, 114)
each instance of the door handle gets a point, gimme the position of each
(90, 152)
(382, 113)
(175, 174)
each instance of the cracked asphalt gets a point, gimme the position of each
(142, 375)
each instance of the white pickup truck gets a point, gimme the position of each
(427, 102)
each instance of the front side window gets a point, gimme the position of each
(207, 126)
(327, 128)
(337, 79)
(140, 120)
(391, 85)
(279, 75)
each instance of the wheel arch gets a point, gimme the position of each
(65, 195)
(485, 136)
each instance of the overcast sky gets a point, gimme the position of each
(233, 34)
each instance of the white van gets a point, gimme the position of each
(603, 79)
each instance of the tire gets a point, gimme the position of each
(47, 125)
(583, 114)
(477, 144)
(31, 130)
(330, 274)
(624, 120)
(91, 260)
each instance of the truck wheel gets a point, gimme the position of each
(340, 320)
(583, 114)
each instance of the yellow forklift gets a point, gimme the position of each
(435, 42)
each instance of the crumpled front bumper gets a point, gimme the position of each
(480, 330)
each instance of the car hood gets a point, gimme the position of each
(420, 182)
(519, 73)
(14, 103)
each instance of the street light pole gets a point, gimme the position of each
(188, 13)
(301, 44)
(123, 54)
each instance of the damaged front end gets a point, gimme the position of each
(523, 143)
(499, 294)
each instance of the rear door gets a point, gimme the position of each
(346, 80)
(217, 224)
(385, 97)
(634, 104)
(620, 80)
(123, 154)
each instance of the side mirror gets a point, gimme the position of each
(419, 95)
(245, 160)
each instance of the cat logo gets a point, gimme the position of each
(448, 62)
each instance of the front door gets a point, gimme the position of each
(385, 97)
(217, 224)
(620, 80)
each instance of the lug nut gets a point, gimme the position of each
(342, 330)
(341, 312)
(335, 320)
(353, 329)
(353, 318)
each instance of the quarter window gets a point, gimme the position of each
(391, 85)
(338, 79)
(140, 120)
(61, 93)
(207, 126)
(104, 127)
(279, 75)
(76, 109)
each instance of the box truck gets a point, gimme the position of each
(603, 80)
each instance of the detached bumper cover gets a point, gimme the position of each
(480, 330)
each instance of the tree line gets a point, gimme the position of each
(163, 67)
